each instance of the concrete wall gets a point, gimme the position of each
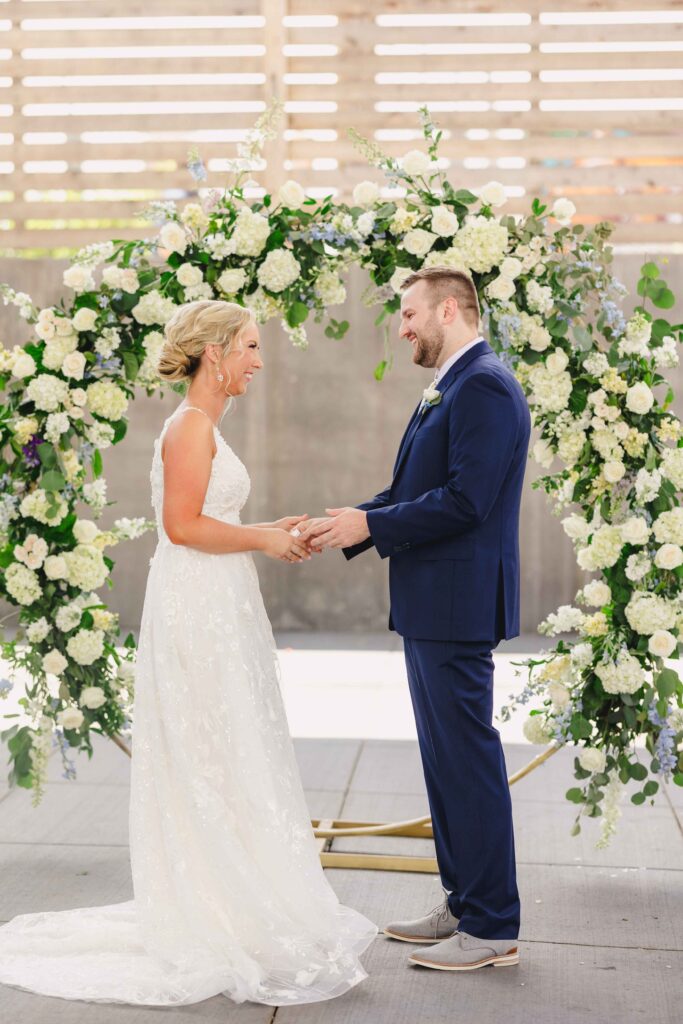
(316, 430)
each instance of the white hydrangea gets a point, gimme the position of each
(647, 485)
(108, 342)
(606, 546)
(597, 594)
(86, 567)
(543, 453)
(365, 223)
(92, 697)
(444, 221)
(669, 556)
(68, 617)
(264, 306)
(639, 398)
(100, 434)
(36, 506)
(86, 646)
(668, 527)
(666, 354)
(22, 584)
(481, 243)
(47, 392)
(56, 424)
(635, 340)
(662, 643)
(549, 391)
(154, 308)
(536, 730)
(366, 193)
(199, 291)
(672, 466)
(193, 216)
(57, 349)
(625, 675)
(539, 298)
(566, 619)
(581, 656)
(279, 269)
(32, 552)
(249, 234)
(592, 759)
(232, 280)
(85, 531)
(107, 400)
(646, 613)
(559, 695)
(635, 530)
(637, 566)
(24, 428)
(596, 363)
(329, 288)
(38, 630)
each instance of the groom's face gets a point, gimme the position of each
(420, 324)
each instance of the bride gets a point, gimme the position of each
(229, 894)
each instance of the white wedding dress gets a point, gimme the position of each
(229, 894)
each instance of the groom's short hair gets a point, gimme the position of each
(445, 281)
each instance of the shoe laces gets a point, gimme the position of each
(440, 914)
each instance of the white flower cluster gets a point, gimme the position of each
(279, 269)
(123, 279)
(37, 505)
(481, 243)
(625, 675)
(539, 298)
(232, 280)
(668, 527)
(107, 400)
(566, 619)
(32, 552)
(107, 342)
(154, 308)
(329, 288)
(636, 337)
(536, 730)
(47, 392)
(100, 434)
(549, 392)
(86, 568)
(86, 646)
(249, 234)
(22, 583)
(646, 613)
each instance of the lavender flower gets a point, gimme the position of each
(30, 450)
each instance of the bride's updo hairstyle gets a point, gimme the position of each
(193, 326)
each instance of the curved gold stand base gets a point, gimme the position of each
(328, 829)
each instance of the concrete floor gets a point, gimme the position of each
(602, 931)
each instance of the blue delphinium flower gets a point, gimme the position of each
(664, 745)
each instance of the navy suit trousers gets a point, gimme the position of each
(451, 686)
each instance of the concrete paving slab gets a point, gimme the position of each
(78, 814)
(326, 764)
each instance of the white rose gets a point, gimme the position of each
(639, 398)
(592, 759)
(415, 163)
(173, 237)
(559, 694)
(84, 319)
(78, 396)
(398, 277)
(85, 531)
(188, 275)
(74, 367)
(662, 643)
(292, 195)
(444, 221)
(78, 278)
(55, 567)
(563, 210)
(635, 530)
(418, 242)
(23, 366)
(70, 718)
(365, 193)
(501, 288)
(54, 662)
(493, 194)
(576, 527)
(511, 267)
(92, 697)
(597, 594)
(669, 556)
(557, 361)
(614, 471)
(232, 280)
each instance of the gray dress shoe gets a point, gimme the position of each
(435, 926)
(463, 952)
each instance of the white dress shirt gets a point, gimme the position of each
(443, 370)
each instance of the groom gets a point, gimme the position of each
(449, 524)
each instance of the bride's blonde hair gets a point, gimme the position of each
(192, 327)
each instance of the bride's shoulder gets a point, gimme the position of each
(189, 430)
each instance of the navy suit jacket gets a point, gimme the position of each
(449, 520)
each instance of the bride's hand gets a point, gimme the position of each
(282, 545)
(288, 522)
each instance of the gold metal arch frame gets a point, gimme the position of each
(326, 830)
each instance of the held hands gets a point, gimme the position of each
(284, 544)
(343, 528)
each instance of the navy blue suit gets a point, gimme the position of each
(449, 524)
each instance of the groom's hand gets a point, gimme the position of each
(345, 527)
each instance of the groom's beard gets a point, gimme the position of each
(429, 343)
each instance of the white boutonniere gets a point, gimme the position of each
(431, 396)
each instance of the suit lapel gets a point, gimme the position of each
(458, 366)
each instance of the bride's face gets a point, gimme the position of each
(239, 365)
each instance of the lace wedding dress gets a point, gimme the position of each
(229, 894)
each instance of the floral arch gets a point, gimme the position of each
(594, 380)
